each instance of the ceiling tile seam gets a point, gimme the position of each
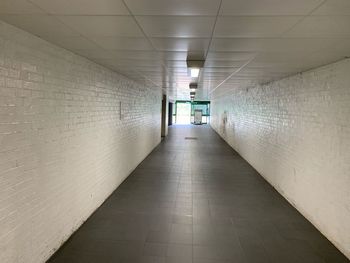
(317, 7)
(44, 12)
(263, 15)
(233, 73)
(339, 37)
(173, 16)
(83, 15)
(59, 14)
(146, 78)
(302, 19)
(265, 37)
(179, 37)
(73, 30)
(177, 15)
(286, 76)
(228, 91)
(62, 23)
(83, 36)
(271, 38)
(37, 6)
(209, 44)
(144, 33)
(213, 29)
(139, 26)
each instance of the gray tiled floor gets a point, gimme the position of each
(196, 201)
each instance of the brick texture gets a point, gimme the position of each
(65, 143)
(296, 133)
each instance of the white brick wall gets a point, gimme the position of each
(296, 133)
(63, 147)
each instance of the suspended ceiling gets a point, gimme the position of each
(243, 41)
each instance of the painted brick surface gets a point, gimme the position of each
(296, 133)
(64, 146)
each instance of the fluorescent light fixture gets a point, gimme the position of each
(193, 86)
(194, 72)
(195, 64)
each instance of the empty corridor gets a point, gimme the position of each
(194, 199)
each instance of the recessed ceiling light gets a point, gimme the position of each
(195, 65)
(194, 72)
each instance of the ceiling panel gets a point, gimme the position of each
(230, 56)
(73, 43)
(322, 26)
(176, 26)
(40, 25)
(95, 54)
(298, 62)
(176, 63)
(83, 7)
(123, 43)
(152, 71)
(146, 54)
(334, 7)
(97, 26)
(173, 7)
(177, 55)
(281, 57)
(18, 7)
(135, 54)
(131, 63)
(213, 75)
(278, 66)
(342, 46)
(324, 57)
(270, 44)
(261, 75)
(268, 7)
(254, 26)
(149, 40)
(214, 70)
(153, 55)
(156, 75)
(223, 64)
(181, 44)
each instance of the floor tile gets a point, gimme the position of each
(196, 201)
